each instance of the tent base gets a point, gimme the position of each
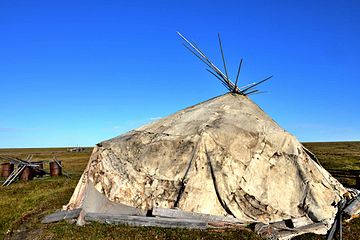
(173, 218)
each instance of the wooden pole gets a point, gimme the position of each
(248, 88)
(223, 56)
(237, 75)
(217, 70)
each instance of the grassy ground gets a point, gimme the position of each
(24, 204)
(337, 155)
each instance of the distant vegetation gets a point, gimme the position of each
(24, 204)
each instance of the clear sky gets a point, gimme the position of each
(79, 72)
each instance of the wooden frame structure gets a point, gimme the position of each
(216, 72)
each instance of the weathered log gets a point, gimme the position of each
(265, 231)
(146, 221)
(62, 215)
(300, 222)
(80, 221)
(177, 213)
(227, 225)
(352, 210)
(278, 232)
(290, 233)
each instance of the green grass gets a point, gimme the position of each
(337, 155)
(24, 204)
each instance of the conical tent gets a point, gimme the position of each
(222, 157)
(222, 160)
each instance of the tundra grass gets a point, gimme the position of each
(337, 155)
(24, 204)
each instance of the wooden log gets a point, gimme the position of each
(62, 215)
(311, 228)
(146, 221)
(227, 225)
(177, 213)
(300, 222)
(274, 232)
(353, 209)
(265, 231)
(80, 221)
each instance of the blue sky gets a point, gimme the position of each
(79, 72)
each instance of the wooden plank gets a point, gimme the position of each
(12, 178)
(145, 221)
(265, 231)
(177, 213)
(62, 215)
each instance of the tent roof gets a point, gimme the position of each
(224, 156)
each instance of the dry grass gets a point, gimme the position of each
(24, 204)
(337, 155)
